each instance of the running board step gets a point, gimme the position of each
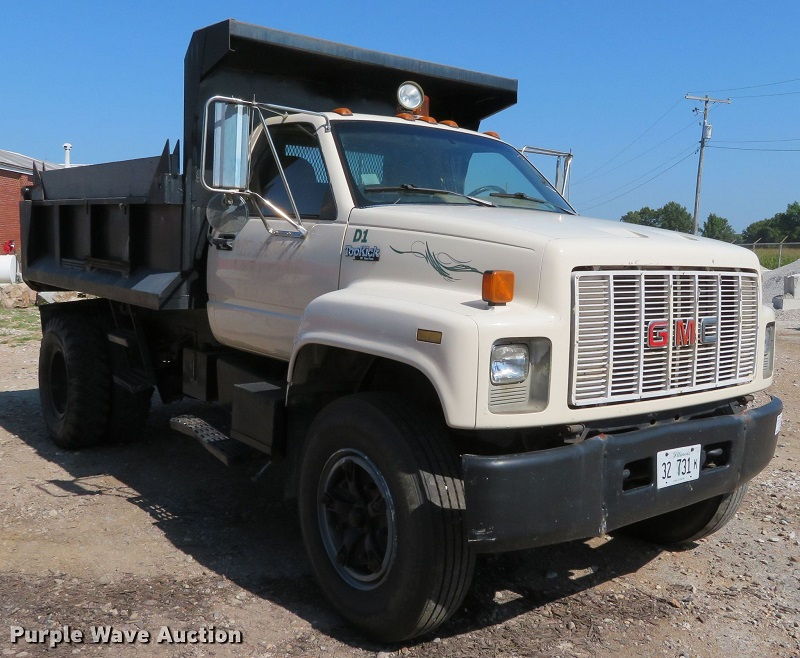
(227, 450)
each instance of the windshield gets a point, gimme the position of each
(389, 163)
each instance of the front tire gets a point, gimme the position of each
(690, 523)
(381, 502)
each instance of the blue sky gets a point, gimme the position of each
(604, 79)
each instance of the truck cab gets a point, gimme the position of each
(403, 314)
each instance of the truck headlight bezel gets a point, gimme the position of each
(510, 363)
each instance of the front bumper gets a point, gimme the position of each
(578, 491)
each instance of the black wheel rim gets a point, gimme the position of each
(356, 519)
(57, 377)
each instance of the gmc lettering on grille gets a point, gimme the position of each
(684, 332)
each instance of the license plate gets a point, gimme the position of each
(677, 465)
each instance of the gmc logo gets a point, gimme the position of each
(684, 332)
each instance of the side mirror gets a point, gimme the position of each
(226, 213)
(226, 145)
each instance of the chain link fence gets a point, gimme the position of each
(774, 254)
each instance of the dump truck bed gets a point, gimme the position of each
(113, 230)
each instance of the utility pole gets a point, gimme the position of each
(705, 135)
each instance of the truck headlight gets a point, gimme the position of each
(410, 96)
(510, 364)
(769, 350)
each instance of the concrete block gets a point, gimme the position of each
(791, 285)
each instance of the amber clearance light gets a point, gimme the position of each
(498, 287)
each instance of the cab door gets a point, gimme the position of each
(259, 288)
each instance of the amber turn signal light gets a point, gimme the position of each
(498, 287)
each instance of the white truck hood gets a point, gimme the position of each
(418, 243)
(533, 229)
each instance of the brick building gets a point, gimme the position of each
(16, 172)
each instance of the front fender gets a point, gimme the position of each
(377, 320)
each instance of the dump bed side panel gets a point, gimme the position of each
(114, 230)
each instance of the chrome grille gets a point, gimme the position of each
(611, 360)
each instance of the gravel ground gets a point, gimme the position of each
(158, 533)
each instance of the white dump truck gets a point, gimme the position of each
(405, 316)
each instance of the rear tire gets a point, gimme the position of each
(690, 523)
(74, 382)
(381, 501)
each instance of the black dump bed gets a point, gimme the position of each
(112, 230)
(134, 231)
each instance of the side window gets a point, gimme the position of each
(298, 149)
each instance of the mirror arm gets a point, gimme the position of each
(297, 224)
(300, 231)
(285, 110)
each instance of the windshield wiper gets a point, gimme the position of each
(407, 187)
(522, 195)
(517, 195)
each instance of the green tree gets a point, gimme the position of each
(788, 222)
(674, 217)
(644, 217)
(774, 229)
(671, 216)
(761, 231)
(718, 228)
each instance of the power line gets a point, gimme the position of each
(631, 143)
(644, 174)
(765, 84)
(602, 203)
(783, 93)
(661, 173)
(756, 141)
(645, 152)
(746, 148)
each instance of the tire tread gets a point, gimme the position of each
(449, 493)
(89, 378)
(435, 469)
